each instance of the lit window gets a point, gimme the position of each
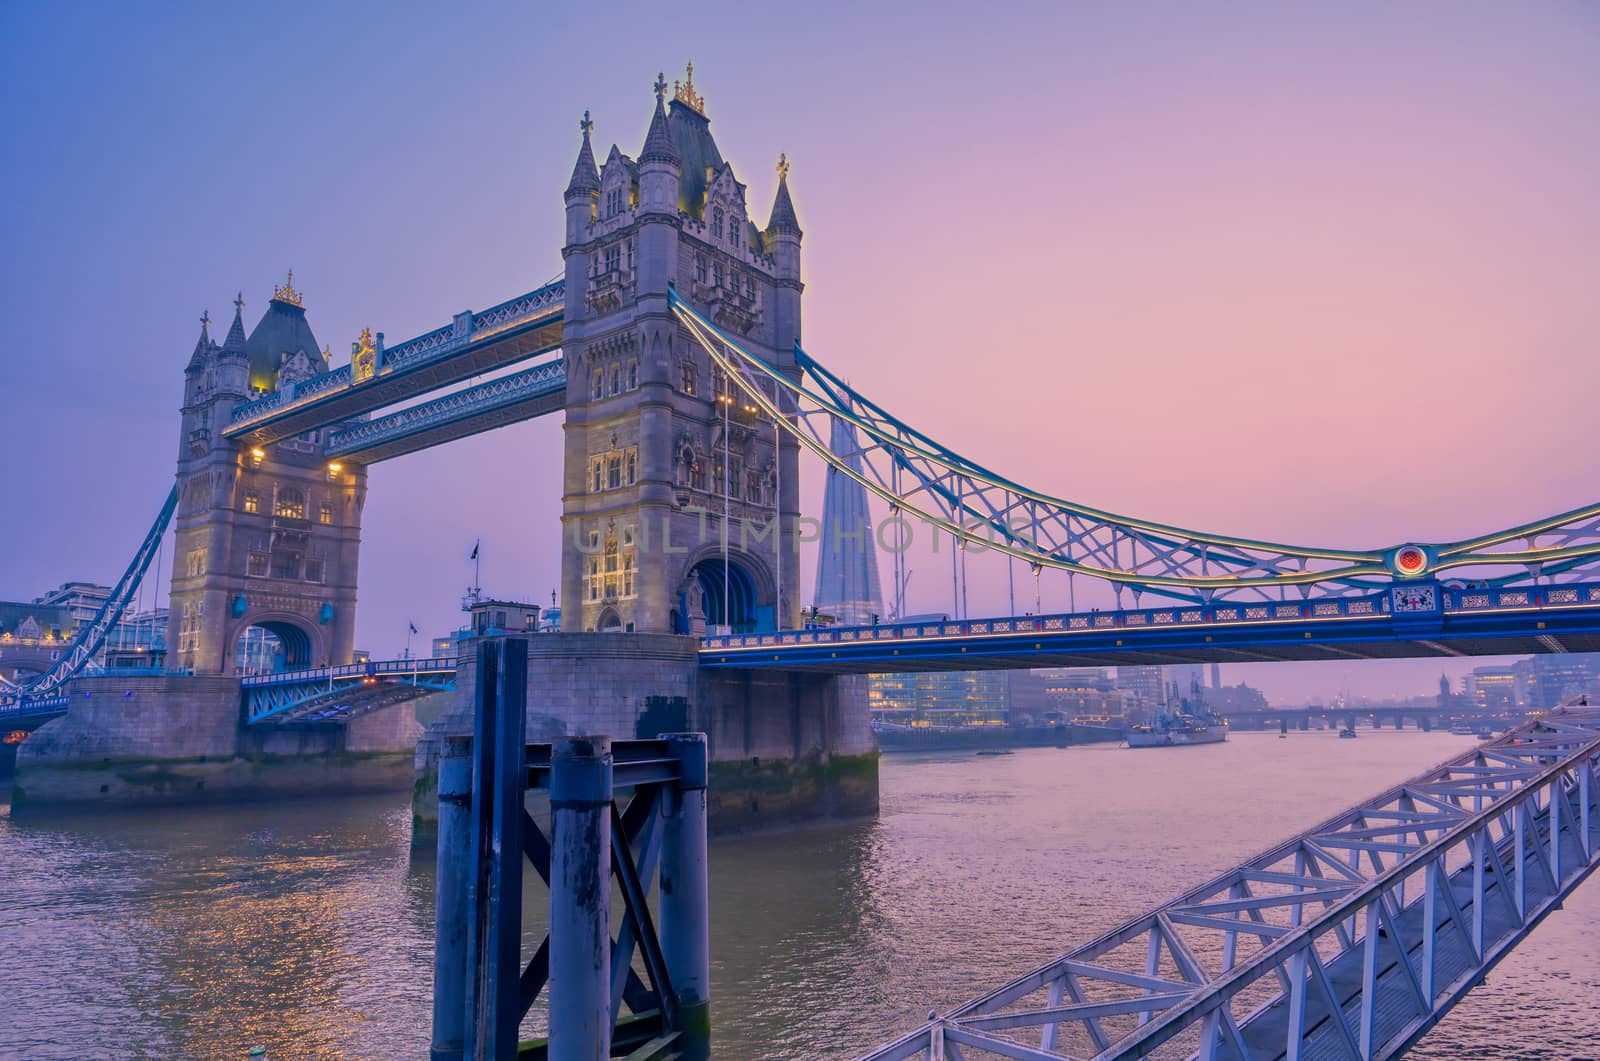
(697, 475)
(252, 502)
(291, 504)
(257, 565)
(325, 513)
(688, 377)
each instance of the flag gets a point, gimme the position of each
(474, 555)
(413, 626)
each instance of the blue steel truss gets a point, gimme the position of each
(387, 436)
(919, 479)
(91, 638)
(338, 694)
(1350, 940)
(441, 347)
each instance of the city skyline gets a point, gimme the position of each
(1152, 219)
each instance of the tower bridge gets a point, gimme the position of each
(670, 345)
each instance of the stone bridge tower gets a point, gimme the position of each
(266, 537)
(658, 447)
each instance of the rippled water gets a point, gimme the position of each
(307, 927)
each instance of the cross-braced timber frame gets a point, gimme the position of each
(1349, 941)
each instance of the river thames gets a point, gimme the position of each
(307, 927)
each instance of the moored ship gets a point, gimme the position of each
(1167, 731)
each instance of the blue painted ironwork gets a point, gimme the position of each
(1390, 624)
(389, 433)
(90, 639)
(1351, 939)
(30, 709)
(338, 694)
(542, 306)
(918, 477)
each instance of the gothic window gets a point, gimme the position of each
(717, 479)
(733, 233)
(697, 475)
(700, 268)
(633, 375)
(630, 255)
(627, 574)
(632, 463)
(314, 569)
(594, 579)
(613, 472)
(716, 275)
(597, 389)
(257, 565)
(614, 202)
(597, 473)
(325, 513)
(613, 258)
(286, 565)
(749, 288)
(688, 376)
(716, 223)
(252, 501)
(616, 379)
(197, 563)
(752, 486)
(291, 504)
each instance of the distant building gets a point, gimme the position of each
(1494, 688)
(83, 600)
(942, 698)
(1143, 688)
(1555, 679)
(1084, 692)
(1239, 697)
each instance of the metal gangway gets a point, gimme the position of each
(1350, 940)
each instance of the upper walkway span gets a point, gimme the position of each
(1350, 940)
(473, 344)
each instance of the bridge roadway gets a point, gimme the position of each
(1349, 940)
(1463, 622)
(473, 344)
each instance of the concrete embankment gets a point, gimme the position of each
(168, 740)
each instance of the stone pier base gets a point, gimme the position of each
(785, 748)
(140, 741)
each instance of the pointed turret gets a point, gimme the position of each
(203, 345)
(585, 174)
(234, 343)
(660, 163)
(783, 220)
(658, 145)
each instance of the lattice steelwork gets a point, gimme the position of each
(91, 638)
(326, 694)
(1350, 940)
(921, 480)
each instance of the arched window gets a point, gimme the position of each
(716, 223)
(597, 390)
(633, 375)
(700, 268)
(616, 379)
(733, 233)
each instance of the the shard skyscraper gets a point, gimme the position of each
(847, 563)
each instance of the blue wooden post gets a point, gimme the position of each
(451, 883)
(685, 906)
(580, 899)
(499, 778)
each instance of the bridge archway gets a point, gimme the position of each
(734, 596)
(271, 645)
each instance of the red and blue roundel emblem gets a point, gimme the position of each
(1410, 561)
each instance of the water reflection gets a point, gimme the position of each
(307, 927)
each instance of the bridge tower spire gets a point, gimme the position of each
(672, 480)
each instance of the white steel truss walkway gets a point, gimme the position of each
(1349, 941)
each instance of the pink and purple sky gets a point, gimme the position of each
(1323, 274)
